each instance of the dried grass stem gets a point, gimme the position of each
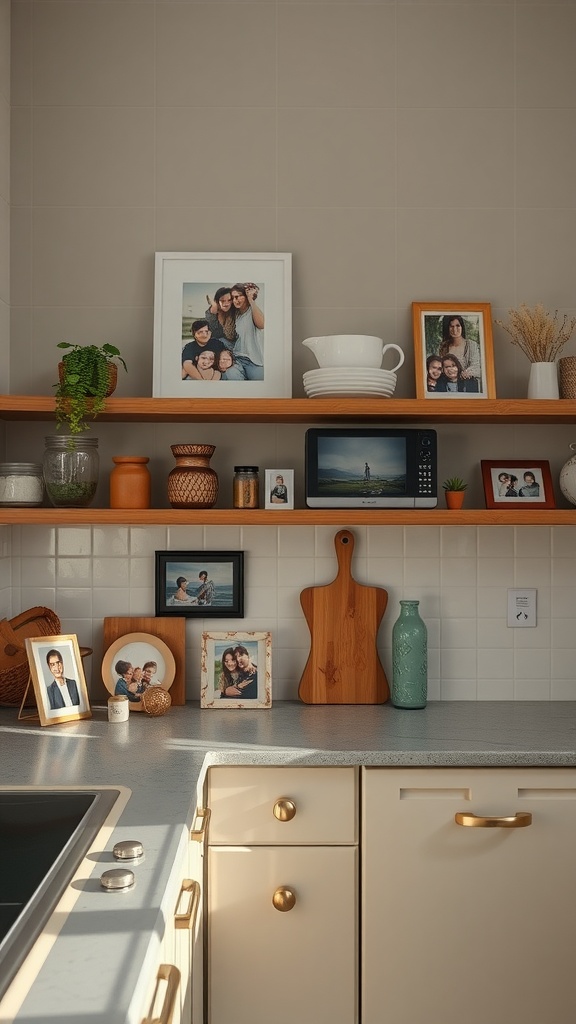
(537, 332)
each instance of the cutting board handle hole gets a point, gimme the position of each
(345, 540)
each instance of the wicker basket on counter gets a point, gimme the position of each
(14, 670)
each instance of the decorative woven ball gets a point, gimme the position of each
(156, 701)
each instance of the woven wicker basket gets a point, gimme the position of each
(567, 376)
(14, 669)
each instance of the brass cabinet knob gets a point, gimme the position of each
(519, 820)
(284, 899)
(284, 809)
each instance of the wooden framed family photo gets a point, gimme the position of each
(236, 670)
(517, 484)
(223, 325)
(57, 677)
(453, 350)
(200, 584)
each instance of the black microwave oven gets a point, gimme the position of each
(371, 467)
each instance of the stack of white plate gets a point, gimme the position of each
(349, 382)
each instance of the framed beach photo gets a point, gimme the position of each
(58, 679)
(236, 670)
(200, 584)
(453, 350)
(223, 325)
(279, 485)
(517, 484)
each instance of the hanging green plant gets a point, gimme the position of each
(88, 376)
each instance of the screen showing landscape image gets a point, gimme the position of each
(350, 467)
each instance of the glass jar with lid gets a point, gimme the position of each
(21, 484)
(245, 487)
(71, 470)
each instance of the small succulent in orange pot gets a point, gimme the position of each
(454, 489)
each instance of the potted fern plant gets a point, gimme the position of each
(454, 489)
(87, 376)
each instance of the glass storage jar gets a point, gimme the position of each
(71, 470)
(21, 484)
(245, 487)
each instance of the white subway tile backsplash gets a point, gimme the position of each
(38, 572)
(74, 540)
(472, 653)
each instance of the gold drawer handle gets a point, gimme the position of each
(187, 919)
(284, 899)
(200, 834)
(284, 809)
(171, 975)
(519, 820)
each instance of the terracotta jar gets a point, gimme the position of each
(192, 483)
(130, 482)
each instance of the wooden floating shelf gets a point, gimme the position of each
(305, 410)
(287, 517)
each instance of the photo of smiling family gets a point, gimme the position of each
(453, 346)
(222, 325)
(200, 583)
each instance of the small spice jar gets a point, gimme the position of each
(118, 708)
(21, 484)
(245, 487)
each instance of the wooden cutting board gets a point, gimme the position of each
(343, 666)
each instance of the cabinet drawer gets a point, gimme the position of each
(319, 806)
(291, 966)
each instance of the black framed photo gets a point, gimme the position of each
(200, 584)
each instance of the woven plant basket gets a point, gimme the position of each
(14, 669)
(112, 377)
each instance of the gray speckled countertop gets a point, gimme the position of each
(95, 966)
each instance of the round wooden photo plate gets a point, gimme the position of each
(135, 650)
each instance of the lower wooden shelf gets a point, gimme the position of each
(287, 517)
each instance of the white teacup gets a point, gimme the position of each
(352, 350)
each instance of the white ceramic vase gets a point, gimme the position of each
(568, 477)
(543, 381)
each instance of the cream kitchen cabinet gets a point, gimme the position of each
(174, 991)
(282, 887)
(474, 921)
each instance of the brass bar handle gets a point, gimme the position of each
(200, 834)
(171, 975)
(519, 820)
(187, 919)
(284, 809)
(284, 899)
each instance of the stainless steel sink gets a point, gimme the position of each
(43, 838)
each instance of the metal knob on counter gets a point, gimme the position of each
(117, 879)
(284, 809)
(128, 849)
(284, 899)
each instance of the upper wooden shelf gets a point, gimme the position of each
(306, 410)
(287, 517)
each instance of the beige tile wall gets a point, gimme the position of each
(400, 151)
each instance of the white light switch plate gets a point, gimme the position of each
(521, 608)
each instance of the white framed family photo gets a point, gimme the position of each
(222, 325)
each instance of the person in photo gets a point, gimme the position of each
(202, 341)
(279, 493)
(249, 349)
(205, 592)
(455, 343)
(61, 692)
(529, 489)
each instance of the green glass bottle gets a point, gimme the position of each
(409, 658)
